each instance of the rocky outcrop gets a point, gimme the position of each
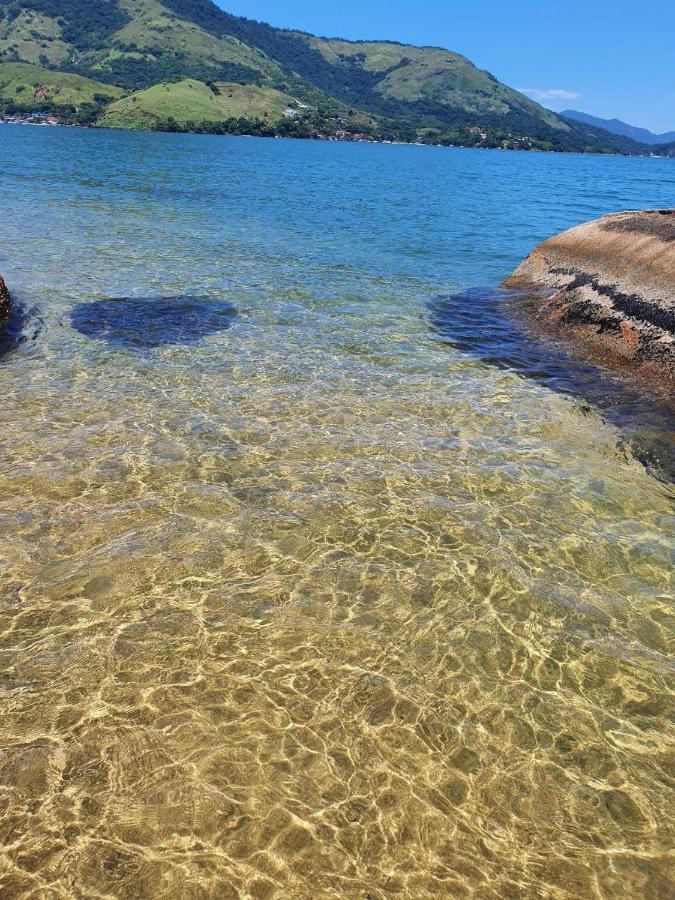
(609, 284)
(5, 301)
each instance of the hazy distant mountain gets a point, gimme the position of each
(616, 126)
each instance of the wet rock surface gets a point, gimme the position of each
(5, 302)
(609, 284)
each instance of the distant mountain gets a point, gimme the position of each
(188, 65)
(616, 126)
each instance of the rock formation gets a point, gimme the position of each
(611, 285)
(5, 301)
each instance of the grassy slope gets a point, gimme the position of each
(194, 101)
(32, 37)
(432, 87)
(152, 35)
(153, 26)
(19, 81)
(156, 32)
(432, 74)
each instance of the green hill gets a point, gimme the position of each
(375, 87)
(192, 101)
(29, 85)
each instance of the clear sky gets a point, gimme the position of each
(612, 58)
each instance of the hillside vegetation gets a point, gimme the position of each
(167, 54)
(192, 102)
(24, 87)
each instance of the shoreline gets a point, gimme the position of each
(331, 139)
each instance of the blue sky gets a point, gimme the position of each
(612, 58)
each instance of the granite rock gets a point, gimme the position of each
(610, 285)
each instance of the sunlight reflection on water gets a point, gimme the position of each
(345, 600)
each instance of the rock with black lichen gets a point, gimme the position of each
(5, 301)
(609, 284)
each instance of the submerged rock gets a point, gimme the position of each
(5, 301)
(146, 322)
(609, 284)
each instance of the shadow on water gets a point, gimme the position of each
(23, 325)
(478, 322)
(146, 322)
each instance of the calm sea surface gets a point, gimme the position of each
(320, 578)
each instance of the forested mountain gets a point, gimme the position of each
(667, 150)
(296, 83)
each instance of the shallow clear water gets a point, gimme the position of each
(319, 579)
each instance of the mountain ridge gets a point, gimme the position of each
(369, 89)
(619, 127)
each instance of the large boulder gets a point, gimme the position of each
(609, 284)
(5, 301)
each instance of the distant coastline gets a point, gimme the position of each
(479, 139)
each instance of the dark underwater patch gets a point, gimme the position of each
(23, 324)
(484, 323)
(146, 322)
(477, 322)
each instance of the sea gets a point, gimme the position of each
(321, 574)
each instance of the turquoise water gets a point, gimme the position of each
(321, 578)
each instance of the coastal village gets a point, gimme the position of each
(33, 118)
